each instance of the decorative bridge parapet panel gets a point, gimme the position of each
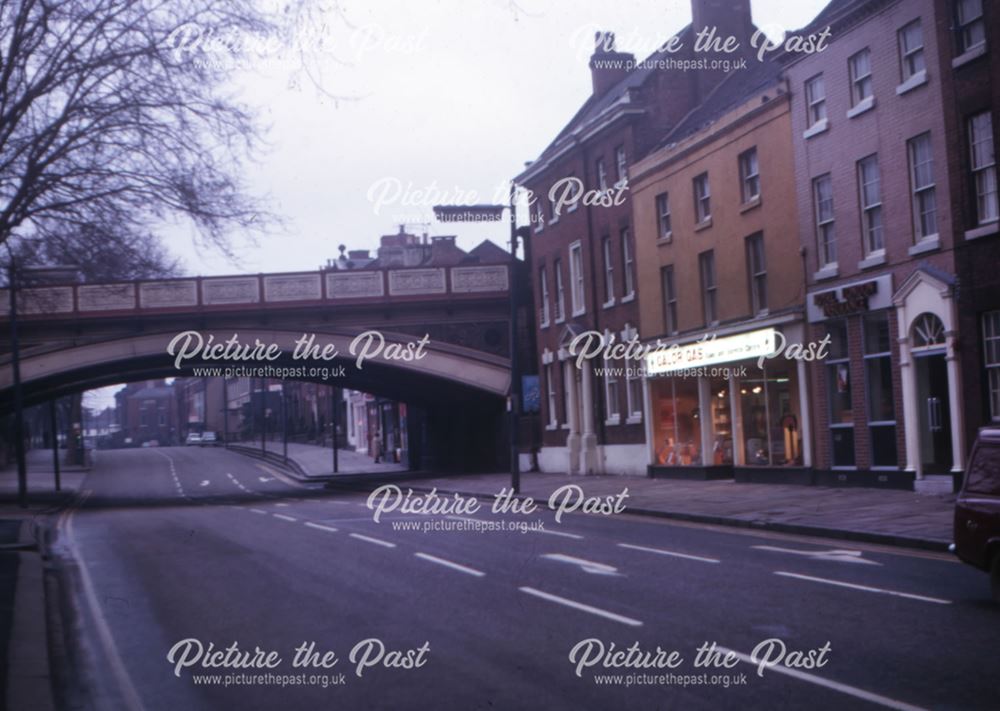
(274, 290)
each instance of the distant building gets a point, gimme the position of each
(146, 412)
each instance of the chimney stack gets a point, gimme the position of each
(730, 18)
(608, 66)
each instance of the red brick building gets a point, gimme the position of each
(583, 256)
(968, 35)
(878, 229)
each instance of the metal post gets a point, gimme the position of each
(263, 425)
(333, 426)
(53, 425)
(515, 374)
(284, 424)
(15, 362)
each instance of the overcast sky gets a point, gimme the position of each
(452, 93)
(456, 94)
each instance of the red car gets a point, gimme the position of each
(977, 511)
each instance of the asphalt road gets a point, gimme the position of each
(167, 545)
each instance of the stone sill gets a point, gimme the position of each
(873, 260)
(816, 129)
(927, 244)
(750, 204)
(866, 104)
(918, 79)
(703, 225)
(990, 228)
(828, 272)
(966, 57)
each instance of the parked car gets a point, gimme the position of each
(151, 443)
(193, 438)
(209, 438)
(977, 511)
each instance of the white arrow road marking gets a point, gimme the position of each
(840, 556)
(588, 566)
(204, 483)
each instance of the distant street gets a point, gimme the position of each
(202, 544)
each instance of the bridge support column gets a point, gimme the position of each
(54, 427)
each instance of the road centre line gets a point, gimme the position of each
(376, 541)
(283, 517)
(828, 683)
(865, 588)
(321, 527)
(674, 554)
(582, 607)
(449, 564)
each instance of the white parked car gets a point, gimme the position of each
(193, 438)
(209, 438)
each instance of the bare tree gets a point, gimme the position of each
(110, 122)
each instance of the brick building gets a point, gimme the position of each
(718, 256)
(583, 255)
(878, 233)
(968, 38)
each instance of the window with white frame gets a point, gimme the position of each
(757, 273)
(633, 381)
(815, 99)
(550, 386)
(971, 28)
(749, 175)
(669, 299)
(663, 215)
(566, 373)
(860, 65)
(621, 166)
(628, 266)
(553, 212)
(539, 217)
(602, 175)
(991, 344)
(911, 50)
(839, 396)
(709, 288)
(922, 183)
(878, 384)
(823, 205)
(609, 271)
(560, 291)
(543, 295)
(984, 167)
(870, 190)
(702, 198)
(576, 278)
(611, 405)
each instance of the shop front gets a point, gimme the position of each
(718, 411)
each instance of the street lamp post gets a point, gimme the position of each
(54, 426)
(459, 213)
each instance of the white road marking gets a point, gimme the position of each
(376, 541)
(865, 588)
(204, 483)
(583, 607)
(828, 683)
(321, 527)
(283, 517)
(449, 564)
(588, 566)
(558, 533)
(839, 556)
(673, 554)
(131, 696)
(264, 478)
(260, 511)
(281, 503)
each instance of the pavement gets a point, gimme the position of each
(176, 549)
(887, 516)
